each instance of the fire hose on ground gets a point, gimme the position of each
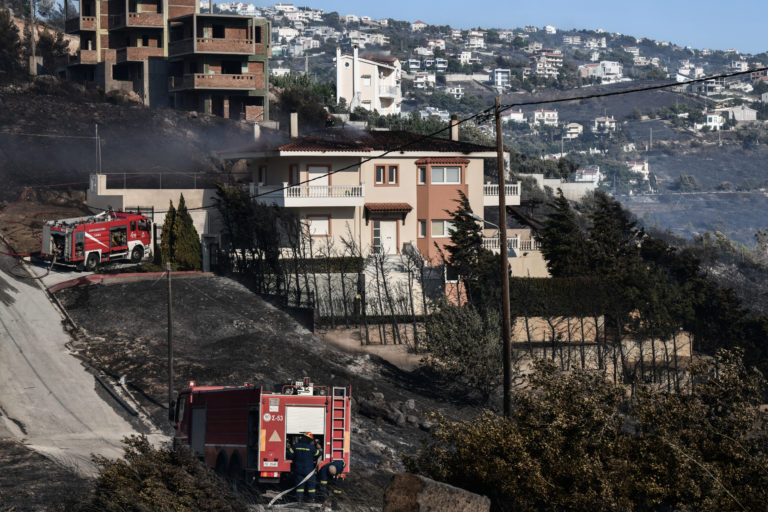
(292, 488)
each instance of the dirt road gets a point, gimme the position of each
(47, 398)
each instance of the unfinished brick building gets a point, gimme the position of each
(172, 55)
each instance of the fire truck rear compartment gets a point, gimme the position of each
(58, 245)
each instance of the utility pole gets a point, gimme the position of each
(32, 60)
(170, 342)
(505, 313)
(98, 149)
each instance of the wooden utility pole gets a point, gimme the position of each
(170, 342)
(33, 59)
(505, 313)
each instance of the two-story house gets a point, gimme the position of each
(545, 117)
(372, 188)
(604, 125)
(369, 82)
(547, 64)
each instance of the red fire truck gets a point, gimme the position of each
(245, 431)
(86, 242)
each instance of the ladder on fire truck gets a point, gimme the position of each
(340, 427)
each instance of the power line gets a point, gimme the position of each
(487, 112)
(50, 135)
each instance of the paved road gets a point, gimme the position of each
(48, 400)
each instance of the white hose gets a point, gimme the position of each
(292, 488)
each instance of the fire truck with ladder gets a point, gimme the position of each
(245, 431)
(87, 242)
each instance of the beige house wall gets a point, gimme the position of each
(529, 264)
(207, 221)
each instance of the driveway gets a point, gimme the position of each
(47, 398)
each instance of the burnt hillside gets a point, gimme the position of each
(134, 138)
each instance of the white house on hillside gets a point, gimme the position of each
(369, 82)
(546, 117)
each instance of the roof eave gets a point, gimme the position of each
(238, 155)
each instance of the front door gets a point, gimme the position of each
(385, 236)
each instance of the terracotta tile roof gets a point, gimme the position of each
(353, 140)
(442, 160)
(388, 207)
(356, 140)
(316, 144)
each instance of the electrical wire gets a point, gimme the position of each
(487, 112)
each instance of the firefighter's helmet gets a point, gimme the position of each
(309, 435)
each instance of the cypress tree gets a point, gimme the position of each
(563, 244)
(186, 249)
(10, 44)
(167, 243)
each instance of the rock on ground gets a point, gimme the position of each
(407, 492)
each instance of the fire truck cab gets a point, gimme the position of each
(86, 242)
(245, 431)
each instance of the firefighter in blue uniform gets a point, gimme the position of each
(329, 476)
(303, 454)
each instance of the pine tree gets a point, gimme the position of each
(167, 242)
(186, 249)
(52, 47)
(469, 259)
(10, 44)
(563, 244)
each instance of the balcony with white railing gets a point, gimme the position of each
(511, 192)
(389, 91)
(298, 196)
(513, 243)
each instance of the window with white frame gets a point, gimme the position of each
(422, 229)
(446, 175)
(386, 174)
(441, 228)
(392, 175)
(366, 80)
(422, 175)
(319, 225)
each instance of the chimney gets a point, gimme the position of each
(355, 80)
(454, 127)
(338, 74)
(294, 125)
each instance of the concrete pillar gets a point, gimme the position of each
(225, 107)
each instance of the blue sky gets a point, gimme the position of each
(739, 24)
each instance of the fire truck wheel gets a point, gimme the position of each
(235, 468)
(92, 262)
(137, 254)
(221, 463)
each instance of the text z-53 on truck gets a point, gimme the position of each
(86, 242)
(245, 431)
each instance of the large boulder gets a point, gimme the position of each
(407, 492)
